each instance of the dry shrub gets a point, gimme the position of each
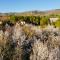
(28, 31)
(31, 45)
(40, 51)
(47, 50)
(2, 39)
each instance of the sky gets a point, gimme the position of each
(28, 5)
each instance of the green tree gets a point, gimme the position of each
(44, 21)
(13, 19)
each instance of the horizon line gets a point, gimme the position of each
(29, 11)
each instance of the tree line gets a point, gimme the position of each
(36, 20)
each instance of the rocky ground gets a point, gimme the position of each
(27, 42)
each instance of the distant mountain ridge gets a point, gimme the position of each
(33, 13)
